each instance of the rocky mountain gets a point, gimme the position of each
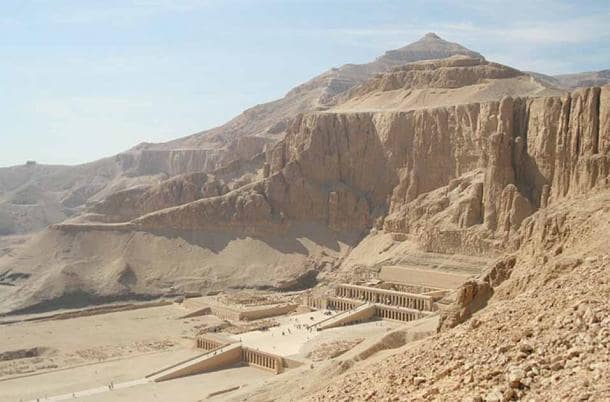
(577, 80)
(454, 154)
(33, 196)
(57, 192)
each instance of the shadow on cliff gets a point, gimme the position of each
(289, 242)
(530, 180)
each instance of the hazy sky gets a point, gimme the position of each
(84, 79)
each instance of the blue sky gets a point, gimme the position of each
(83, 79)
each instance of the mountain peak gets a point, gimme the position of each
(430, 46)
(431, 35)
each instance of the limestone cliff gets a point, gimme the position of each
(491, 164)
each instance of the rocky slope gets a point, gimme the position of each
(580, 80)
(542, 334)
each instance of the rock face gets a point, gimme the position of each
(474, 170)
(452, 72)
(129, 204)
(580, 80)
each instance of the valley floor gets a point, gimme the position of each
(80, 357)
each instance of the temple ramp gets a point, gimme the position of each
(361, 313)
(216, 359)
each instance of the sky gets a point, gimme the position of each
(85, 79)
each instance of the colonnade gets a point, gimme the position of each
(225, 313)
(315, 302)
(389, 297)
(339, 304)
(263, 360)
(208, 344)
(400, 315)
(401, 287)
